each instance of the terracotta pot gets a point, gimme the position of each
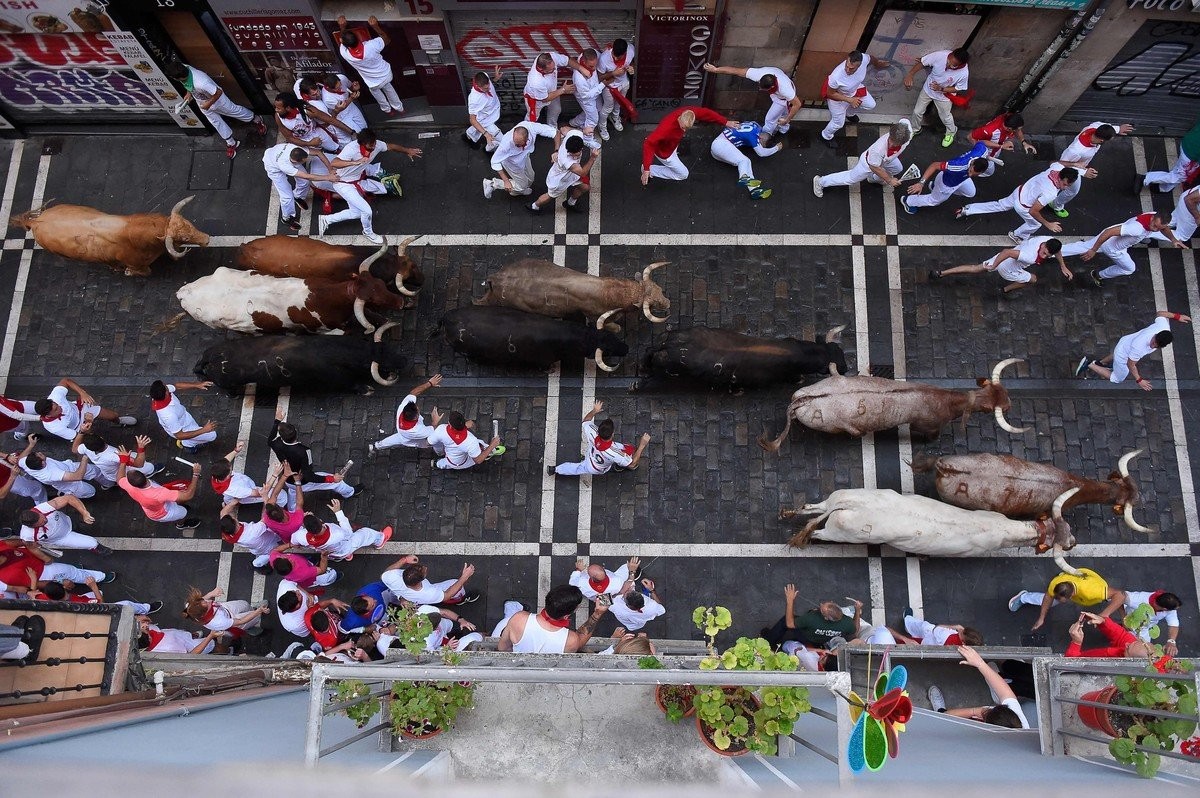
(407, 732)
(1095, 717)
(690, 708)
(733, 750)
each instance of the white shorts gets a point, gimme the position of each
(1013, 271)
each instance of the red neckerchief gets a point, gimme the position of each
(319, 539)
(366, 153)
(237, 533)
(1085, 138)
(155, 638)
(601, 444)
(893, 150)
(291, 113)
(1144, 219)
(404, 423)
(1154, 598)
(338, 90)
(953, 640)
(208, 616)
(620, 62)
(356, 51)
(457, 435)
(599, 587)
(555, 622)
(50, 418)
(221, 485)
(160, 404)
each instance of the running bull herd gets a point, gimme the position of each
(535, 313)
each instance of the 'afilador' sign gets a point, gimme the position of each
(671, 54)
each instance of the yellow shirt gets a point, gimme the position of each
(1090, 587)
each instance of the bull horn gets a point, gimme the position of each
(1003, 424)
(604, 318)
(168, 240)
(599, 353)
(833, 369)
(366, 264)
(1123, 463)
(403, 245)
(1061, 562)
(651, 316)
(400, 286)
(1002, 365)
(360, 313)
(400, 249)
(1056, 510)
(1134, 525)
(835, 334)
(380, 332)
(646, 272)
(179, 205)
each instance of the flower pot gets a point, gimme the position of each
(1095, 717)
(412, 732)
(737, 748)
(686, 691)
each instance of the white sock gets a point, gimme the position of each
(572, 201)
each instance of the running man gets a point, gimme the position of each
(784, 102)
(213, 103)
(569, 173)
(949, 178)
(1013, 263)
(411, 429)
(603, 452)
(1115, 241)
(879, 164)
(844, 90)
(662, 145)
(357, 174)
(948, 76)
(1131, 349)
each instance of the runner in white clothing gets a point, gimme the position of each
(224, 616)
(64, 476)
(948, 76)
(1132, 348)
(595, 580)
(236, 489)
(784, 102)
(1115, 241)
(253, 536)
(48, 525)
(588, 88)
(603, 453)
(549, 631)
(13, 480)
(313, 94)
(1184, 218)
(542, 89)
(844, 90)
(411, 429)
(287, 168)
(1013, 263)
(358, 173)
(455, 444)
(1028, 200)
(616, 65)
(1007, 710)
(339, 93)
(341, 540)
(1079, 154)
(174, 418)
(407, 579)
(213, 103)
(1165, 607)
(303, 124)
(367, 59)
(483, 112)
(63, 417)
(511, 160)
(879, 164)
(569, 174)
(633, 609)
(106, 458)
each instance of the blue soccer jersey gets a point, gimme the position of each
(744, 135)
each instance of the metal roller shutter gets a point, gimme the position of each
(512, 41)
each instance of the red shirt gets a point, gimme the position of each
(1118, 638)
(15, 561)
(993, 131)
(666, 137)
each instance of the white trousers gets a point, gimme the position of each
(67, 540)
(490, 126)
(82, 490)
(287, 206)
(357, 206)
(399, 438)
(1169, 180)
(837, 114)
(20, 652)
(60, 571)
(226, 107)
(939, 192)
(387, 98)
(175, 512)
(608, 106)
(209, 437)
(343, 488)
(669, 168)
(1035, 598)
(771, 124)
(29, 488)
(103, 481)
(1010, 203)
(860, 172)
(359, 539)
(589, 115)
(511, 608)
(521, 176)
(726, 151)
(944, 111)
(576, 469)
(1122, 264)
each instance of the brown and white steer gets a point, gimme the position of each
(542, 287)
(920, 525)
(250, 302)
(1021, 489)
(129, 243)
(858, 405)
(288, 256)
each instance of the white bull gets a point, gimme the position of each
(921, 525)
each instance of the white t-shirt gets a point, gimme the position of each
(608, 63)
(785, 90)
(1015, 706)
(1014, 270)
(881, 151)
(416, 435)
(424, 593)
(1133, 231)
(484, 106)
(1136, 346)
(587, 87)
(848, 83)
(1135, 598)
(351, 115)
(106, 462)
(616, 580)
(1039, 188)
(240, 487)
(276, 160)
(457, 454)
(57, 525)
(293, 621)
(352, 152)
(53, 471)
(203, 87)
(174, 418)
(66, 425)
(257, 539)
(938, 73)
(177, 641)
(373, 68)
(508, 156)
(539, 86)
(338, 537)
(221, 620)
(1083, 147)
(633, 620)
(602, 461)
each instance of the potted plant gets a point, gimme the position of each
(426, 709)
(675, 700)
(1132, 731)
(734, 720)
(364, 710)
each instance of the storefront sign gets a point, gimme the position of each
(1057, 4)
(54, 16)
(280, 40)
(138, 59)
(672, 50)
(1163, 5)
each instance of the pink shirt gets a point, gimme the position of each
(153, 498)
(286, 527)
(303, 572)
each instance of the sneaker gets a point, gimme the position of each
(604, 134)
(948, 139)
(1061, 213)
(389, 112)
(1014, 603)
(936, 700)
(102, 550)
(371, 451)
(1013, 237)
(187, 523)
(488, 188)
(358, 490)
(155, 606)
(852, 119)
(905, 206)
(19, 436)
(760, 193)
(616, 123)
(303, 203)
(961, 213)
(374, 238)
(292, 650)
(1096, 278)
(1082, 369)
(259, 127)
(550, 471)
(127, 421)
(292, 222)
(471, 597)
(322, 224)
(749, 182)
(574, 207)
(109, 576)
(817, 188)
(178, 444)
(231, 150)
(499, 450)
(433, 463)
(387, 535)
(935, 274)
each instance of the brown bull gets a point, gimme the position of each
(130, 243)
(858, 405)
(1021, 489)
(288, 256)
(542, 287)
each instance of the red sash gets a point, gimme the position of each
(160, 404)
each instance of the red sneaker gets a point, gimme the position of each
(327, 205)
(259, 127)
(232, 149)
(387, 535)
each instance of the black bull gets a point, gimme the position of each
(305, 363)
(724, 359)
(508, 337)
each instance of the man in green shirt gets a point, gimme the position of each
(814, 628)
(1185, 168)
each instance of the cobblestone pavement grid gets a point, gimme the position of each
(704, 508)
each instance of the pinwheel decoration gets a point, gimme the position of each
(878, 723)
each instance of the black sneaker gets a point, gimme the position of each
(576, 208)
(109, 576)
(155, 606)
(1095, 277)
(102, 550)
(187, 523)
(358, 490)
(292, 223)
(533, 208)
(550, 471)
(852, 119)
(1082, 369)
(935, 274)
(908, 612)
(302, 203)
(471, 597)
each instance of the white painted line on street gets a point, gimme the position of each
(18, 297)
(224, 567)
(10, 183)
(470, 240)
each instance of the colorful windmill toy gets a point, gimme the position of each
(878, 723)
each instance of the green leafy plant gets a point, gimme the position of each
(650, 663)
(735, 716)
(412, 628)
(364, 710)
(1148, 692)
(421, 708)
